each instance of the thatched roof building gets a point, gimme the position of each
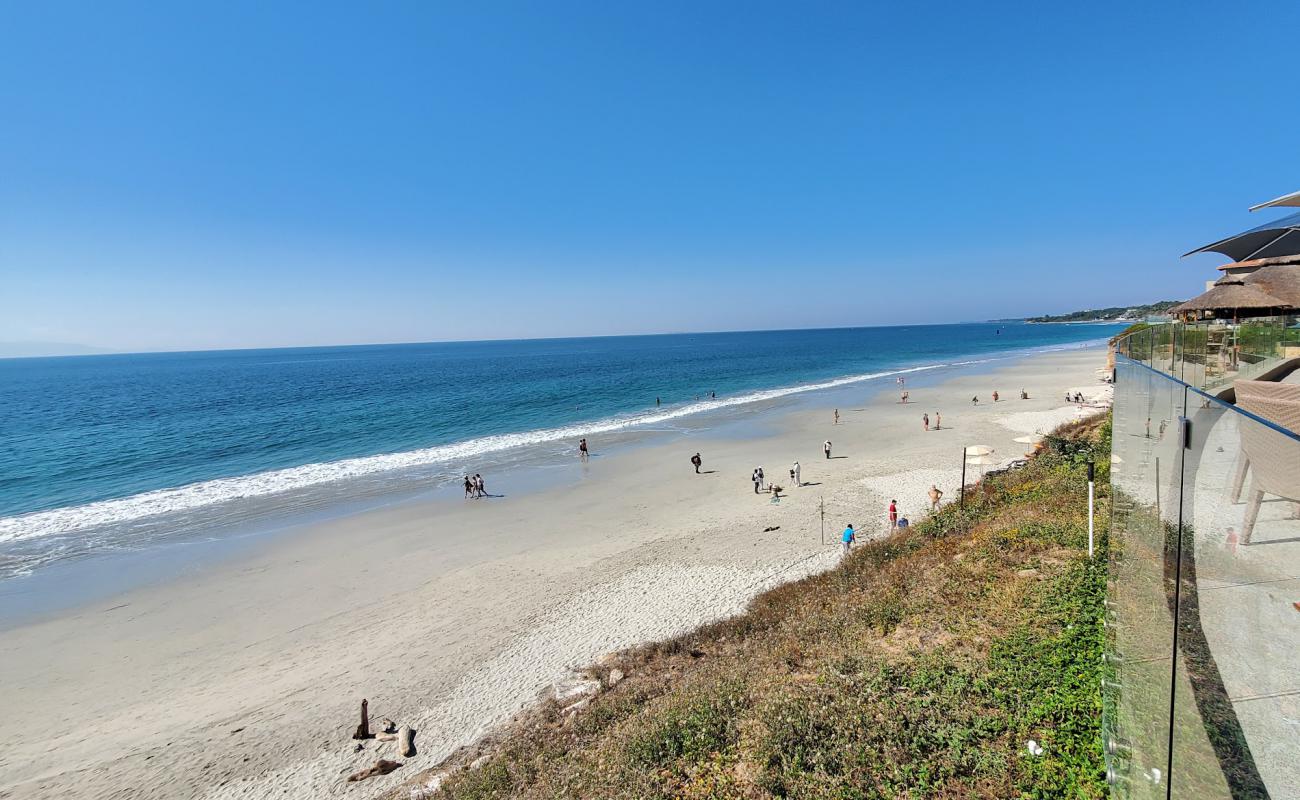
(1261, 287)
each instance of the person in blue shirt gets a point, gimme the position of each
(848, 538)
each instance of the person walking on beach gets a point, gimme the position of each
(826, 448)
(1024, 395)
(935, 496)
(995, 395)
(795, 474)
(925, 421)
(893, 514)
(837, 416)
(762, 479)
(582, 449)
(975, 400)
(848, 538)
(469, 487)
(479, 489)
(696, 461)
(938, 421)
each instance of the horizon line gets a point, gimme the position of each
(110, 353)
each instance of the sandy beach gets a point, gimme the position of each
(242, 679)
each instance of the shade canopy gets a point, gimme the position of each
(1278, 238)
(978, 450)
(1292, 199)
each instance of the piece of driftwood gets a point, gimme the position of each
(363, 730)
(382, 767)
(406, 742)
(387, 737)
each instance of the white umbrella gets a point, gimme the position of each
(978, 450)
(1027, 439)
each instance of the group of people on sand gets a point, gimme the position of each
(938, 421)
(474, 486)
(761, 485)
(1074, 397)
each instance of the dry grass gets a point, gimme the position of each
(919, 667)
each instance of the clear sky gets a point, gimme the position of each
(236, 175)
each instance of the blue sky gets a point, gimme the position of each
(236, 175)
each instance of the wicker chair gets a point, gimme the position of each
(1272, 460)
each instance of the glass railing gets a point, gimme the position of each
(1211, 355)
(1202, 678)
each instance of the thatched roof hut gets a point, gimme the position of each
(1248, 289)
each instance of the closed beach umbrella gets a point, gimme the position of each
(1270, 240)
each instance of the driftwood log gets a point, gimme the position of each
(363, 730)
(406, 742)
(381, 767)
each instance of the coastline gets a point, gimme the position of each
(452, 638)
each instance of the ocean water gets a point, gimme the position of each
(113, 452)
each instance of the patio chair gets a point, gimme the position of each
(1271, 459)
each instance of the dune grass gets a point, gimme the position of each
(917, 668)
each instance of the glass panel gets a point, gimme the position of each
(1145, 474)
(1237, 697)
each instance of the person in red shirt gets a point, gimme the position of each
(893, 514)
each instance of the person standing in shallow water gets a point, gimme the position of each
(582, 449)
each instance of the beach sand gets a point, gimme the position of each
(243, 678)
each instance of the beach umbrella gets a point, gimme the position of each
(1027, 439)
(978, 450)
(1272, 239)
(982, 461)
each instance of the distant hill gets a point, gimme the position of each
(1113, 314)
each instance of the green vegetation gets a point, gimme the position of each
(1111, 313)
(917, 668)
